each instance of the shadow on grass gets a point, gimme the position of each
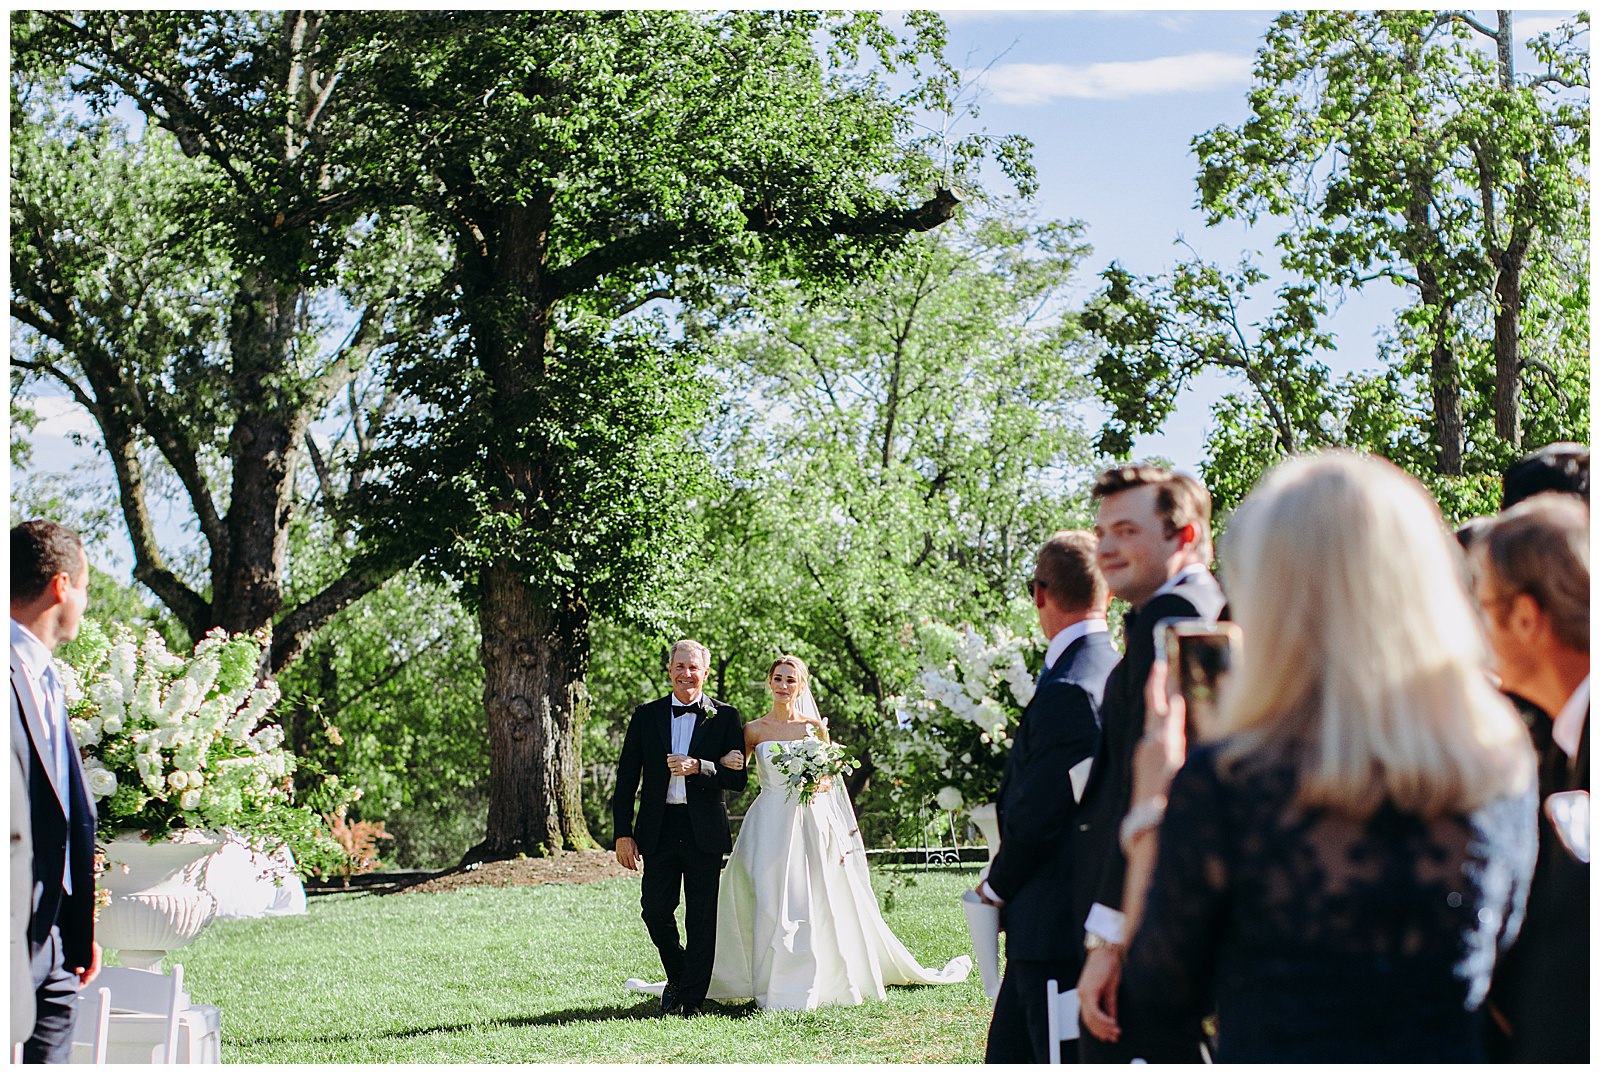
(647, 1010)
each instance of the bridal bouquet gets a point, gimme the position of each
(806, 762)
(171, 741)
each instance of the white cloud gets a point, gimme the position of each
(1041, 83)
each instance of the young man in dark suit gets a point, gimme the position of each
(1154, 531)
(686, 749)
(1031, 875)
(49, 592)
(1532, 580)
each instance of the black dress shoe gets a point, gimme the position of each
(688, 1011)
(669, 1000)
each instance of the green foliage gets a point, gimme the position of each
(1404, 147)
(477, 1002)
(390, 697)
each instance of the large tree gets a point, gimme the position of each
(585, 163)
(205, 287)
(1401, 149)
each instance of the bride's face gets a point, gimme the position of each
(785, 682)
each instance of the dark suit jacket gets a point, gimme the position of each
(23, 1004)
(1100, 864)
(56, 845)
(644, 760)
(1032, 871)
(1541, 985)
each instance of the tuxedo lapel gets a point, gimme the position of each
(32, 706)
(663, 721)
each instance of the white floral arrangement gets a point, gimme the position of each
(172, 742)
(952, 741)
(806, 762)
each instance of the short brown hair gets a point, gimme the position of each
(1541, 547)
(40, 550)
(1066, 567)
(1180, 499)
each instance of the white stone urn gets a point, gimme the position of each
(157, 903)
(987, 818)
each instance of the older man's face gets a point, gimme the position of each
(688, 673)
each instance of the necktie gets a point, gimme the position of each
(55, 704)
(56, 717)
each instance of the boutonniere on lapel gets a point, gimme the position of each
(709, 707)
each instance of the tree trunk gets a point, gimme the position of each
(246, 581)
(1508, 353)
(534, 659)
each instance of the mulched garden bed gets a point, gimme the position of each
(566, 867)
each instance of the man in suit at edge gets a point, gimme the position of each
(1045, 771)
(49, 592)
(1154, 530)
(687, 749)
(1532, 582)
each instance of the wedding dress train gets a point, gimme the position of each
(798, 925)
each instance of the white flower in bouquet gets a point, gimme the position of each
(806, 762)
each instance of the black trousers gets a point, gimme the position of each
(56, 1010)
(678, 864)
(1020, 1029)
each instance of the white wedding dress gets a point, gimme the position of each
(798, 925)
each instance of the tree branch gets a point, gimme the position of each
(291, 633)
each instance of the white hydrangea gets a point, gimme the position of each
(949, 799)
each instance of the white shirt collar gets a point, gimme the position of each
(1568, 728)
(35, 655)
(679, 706)
(1066, 636)
(1183, 572)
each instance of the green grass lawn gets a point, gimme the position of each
(534, 975)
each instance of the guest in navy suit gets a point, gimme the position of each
(1031, 875)
(49, 592)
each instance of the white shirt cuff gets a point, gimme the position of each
(988, 892)
(1104, 922)
(707, 768)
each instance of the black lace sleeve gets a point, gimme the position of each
(1172, 958)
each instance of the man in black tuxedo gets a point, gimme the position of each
(1532, 580)
(687, 749)
(1154, 531)
(49, 592)
(1031, 874)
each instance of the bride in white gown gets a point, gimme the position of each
(798, 925)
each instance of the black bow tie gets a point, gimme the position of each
(678, 709)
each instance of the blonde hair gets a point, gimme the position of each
(1363, 660)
